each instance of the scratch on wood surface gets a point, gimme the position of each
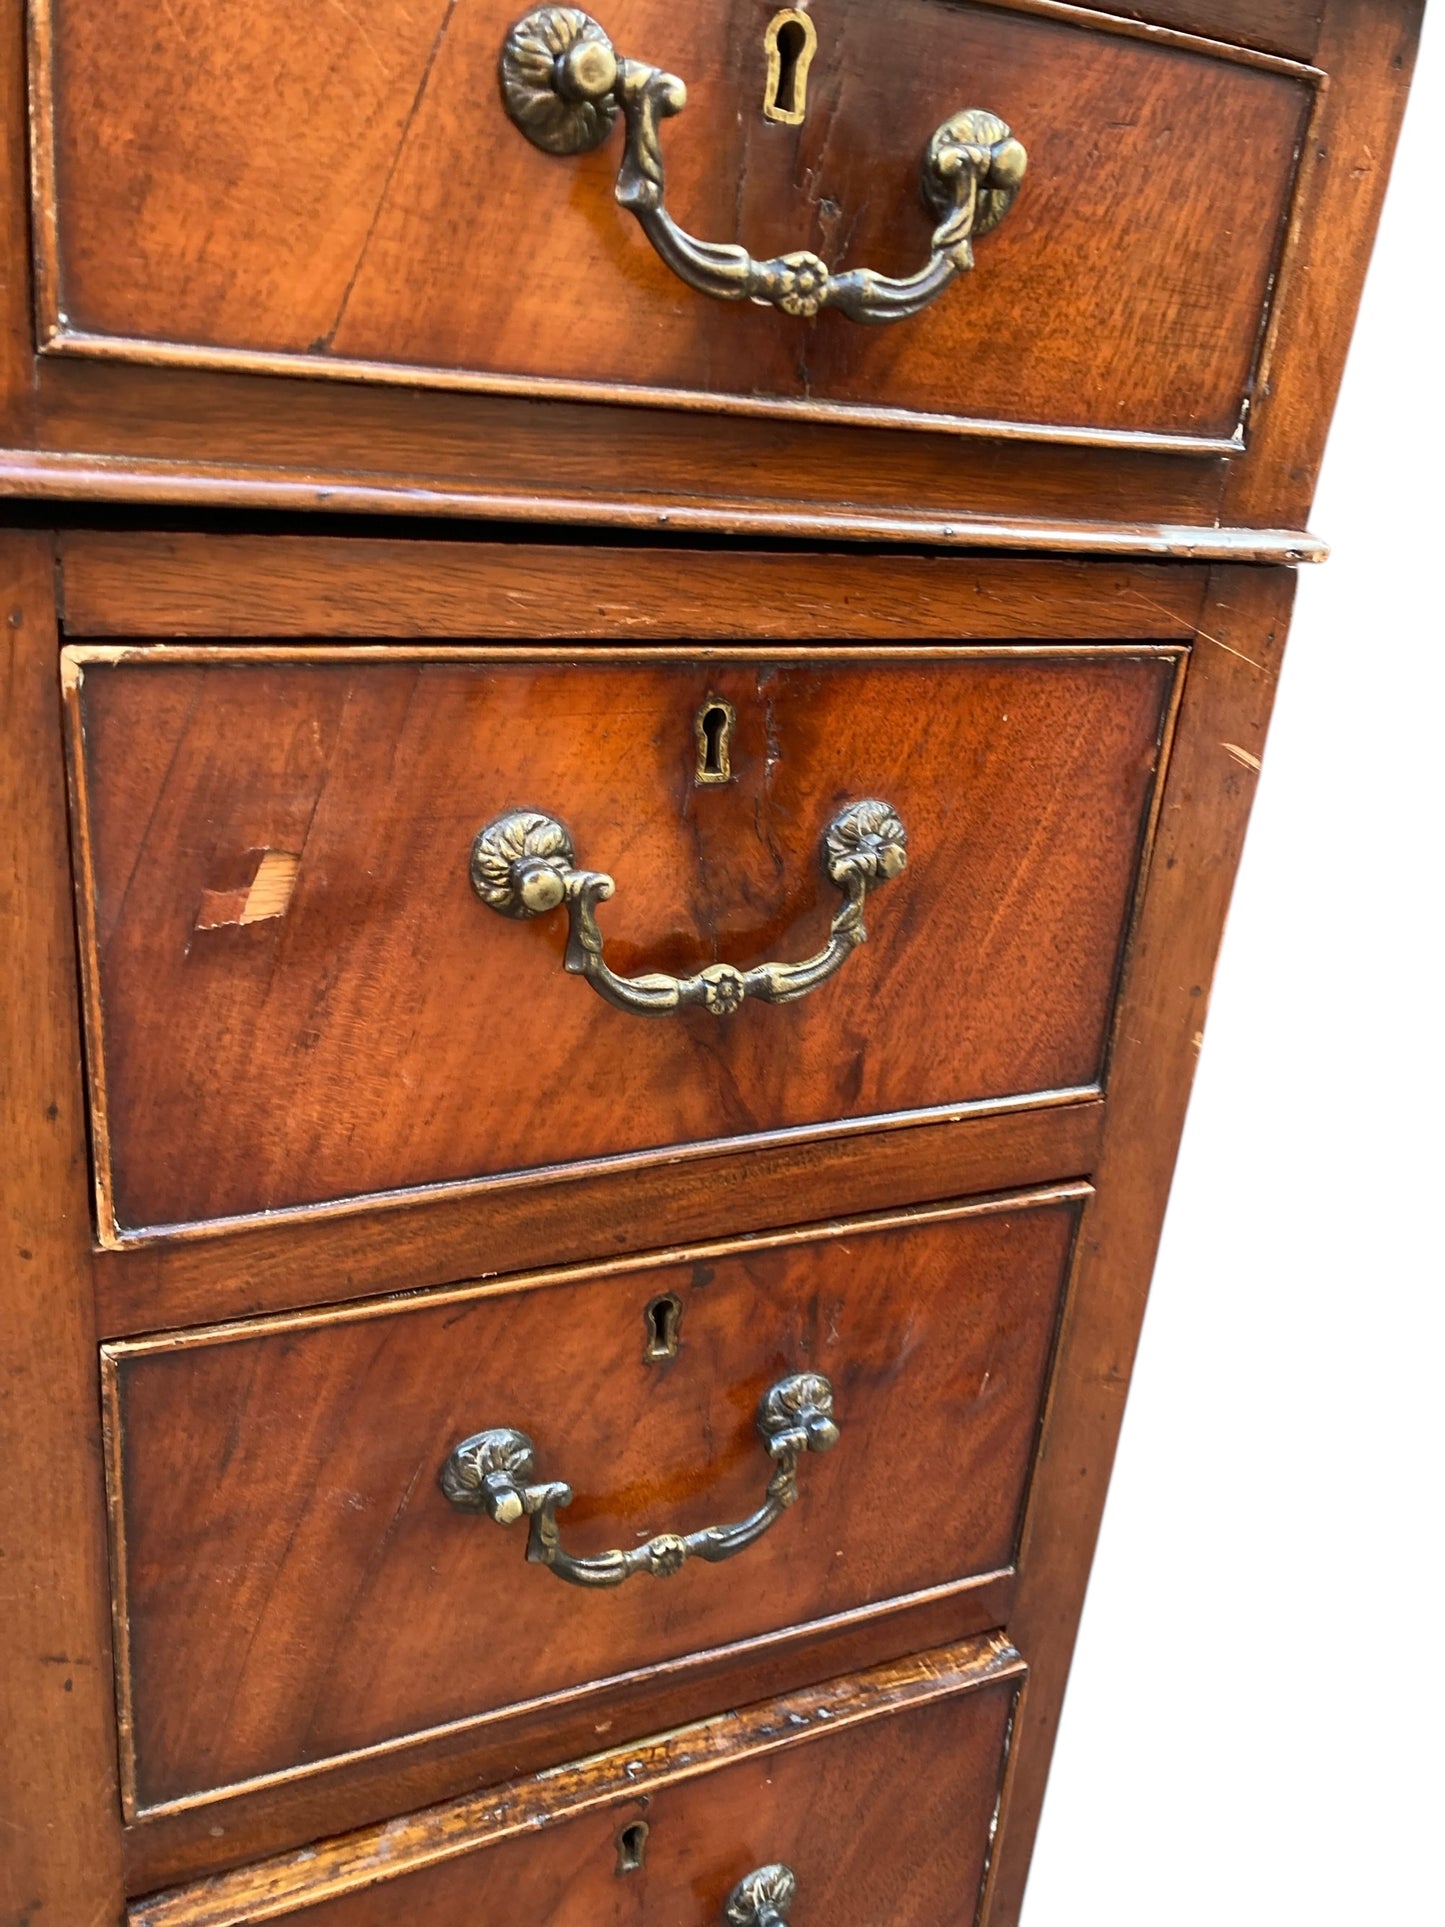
(1138, 595)
(1239, 653)
(402, 138)
(267, 895)
(1240, 755)
(371, 46)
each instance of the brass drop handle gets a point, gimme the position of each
(490, 1472)
(564, 84)
(523, 865)
(763, 1898)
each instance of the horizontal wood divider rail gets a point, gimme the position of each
(423, 1839)
(163, 1850)
(279, 586)
(31, 476)
(505, 1227)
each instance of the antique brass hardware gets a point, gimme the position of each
(664, 1316)
(489, 1472)
(523, 866)
(790, 43)
(713, 728)
(763, 1898)
(564, 84)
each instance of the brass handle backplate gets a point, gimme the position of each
(490, 1472)
(523, 866)
(763, 1898)
(564, 85)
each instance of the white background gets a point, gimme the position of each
(1253, 1732)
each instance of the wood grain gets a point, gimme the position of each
(326, 1257)
(390, 1031)
(228, 440)
(162, 1850)
(77, 429)
(1371, 48)
(1279, 26)
(1228, 696)
(57, 1742)
(329, 202)
(277, 586)
(719, 1798)
(296, 1588)
(246, 179)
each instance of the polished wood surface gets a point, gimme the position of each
(250, 268)
(719, 1800)
(57, 1743)
(110, 431)
(356, 195)
(1165, 999)
(615, 1206)
(387, 1030)
(295, 1586)
(1369, 49)
(264, 587)
(1279, 26)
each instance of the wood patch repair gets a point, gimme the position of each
(268, 895)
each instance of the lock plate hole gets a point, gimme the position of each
(664, 1317)
(632, 1847)
(713, 729)
(789, 43)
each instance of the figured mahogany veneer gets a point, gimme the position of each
(293, 1585)
(297, 997)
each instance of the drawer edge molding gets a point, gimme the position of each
(400, 1303)
(299, 1880)
(542, 1178)
(51, 474)
(263, 1269)
(73, 344)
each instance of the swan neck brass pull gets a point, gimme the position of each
(563, 84)
(523, 865)
(763, 1898)
(491, 1472)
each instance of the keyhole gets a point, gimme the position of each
(632, 1847)
(713, 729)
(790, 43)
(664, 1315)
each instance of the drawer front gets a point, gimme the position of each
(296, 995)
(354, 200)
(868, 1800)
(295, 1584)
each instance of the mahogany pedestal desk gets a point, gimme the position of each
(635, 654)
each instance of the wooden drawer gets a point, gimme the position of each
(296, 996)
(295, 1586)
(876, 1795)
(354, 201)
